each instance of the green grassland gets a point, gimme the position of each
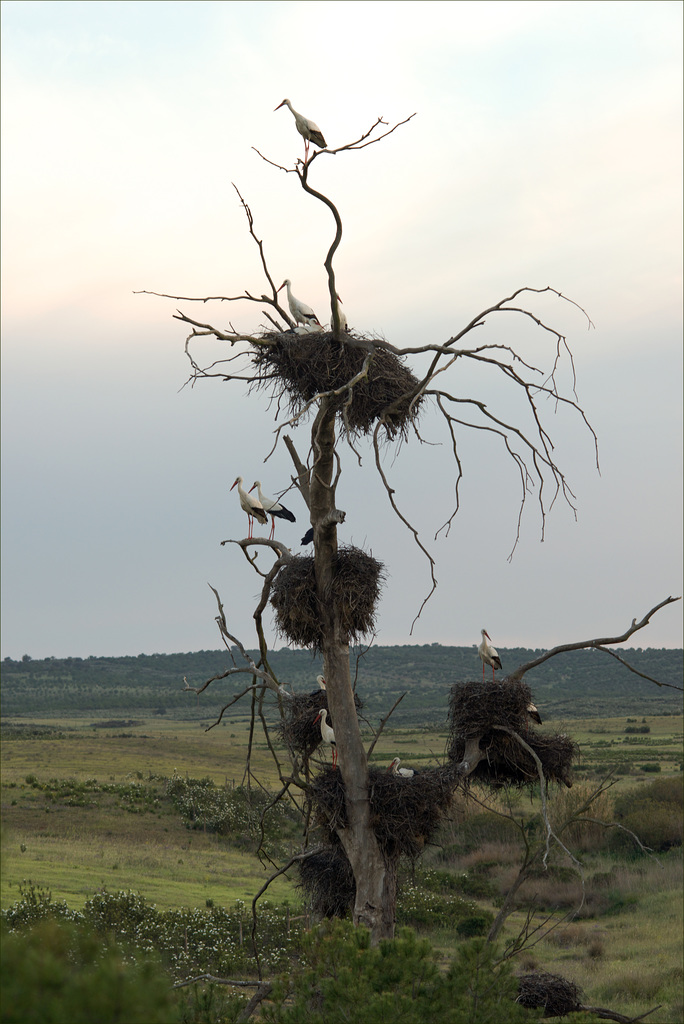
(114, 827)
(116, 842)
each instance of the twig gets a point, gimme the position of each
(382, 724)
(600, 1011)
(217, 981)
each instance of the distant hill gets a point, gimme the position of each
(575, 685)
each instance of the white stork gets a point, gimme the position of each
(273, 508)
(327, 734)
(309, 131)
(253, 508)
(403, 773)
(344, 326)
(302, 313)
(308, 329)
(321, 686)
(489, 655)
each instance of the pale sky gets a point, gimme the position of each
(546, 150)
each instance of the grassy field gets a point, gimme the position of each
(75, 850)
(123, 832)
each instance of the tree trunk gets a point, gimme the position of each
(375, 880)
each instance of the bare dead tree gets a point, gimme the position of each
(337, 383)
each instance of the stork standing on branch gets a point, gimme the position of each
(253, 508)
(489, 655)
(302, 313)
(306, 128)
(327, 734)
(273, 508)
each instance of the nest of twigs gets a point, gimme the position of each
(475, 707)
(357, 578)
(298, 367)
(327, 880)
(298, 728)
(405, 813)
(555, 995)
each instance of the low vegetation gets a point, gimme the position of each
(154, 869)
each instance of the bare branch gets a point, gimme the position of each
(261, 993)
(382, 724)
(281, 871)
(217, 981)
(258, 673)
(364, 140)
(598, 643)
(414, 531)
(636, 672)
(550, 834)
(600, 1011)
(301, 481)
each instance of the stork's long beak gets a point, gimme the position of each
(279, 106)
(233, 485)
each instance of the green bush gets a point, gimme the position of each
(189, 941)
(474, 883)
(344, 980)
(418, 908)
(54, 972)
(36, 905)
(236, 813)
(650, 766)
(476, 924)
(653, 813)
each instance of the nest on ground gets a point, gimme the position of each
(299, 729)
(327, 880)
(475, 707)
(555, 995)
(405, 813)
(299, 367)
(357, 578)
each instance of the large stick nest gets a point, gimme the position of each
(555, 995)
(475, 707)
(299, 729)
(405, 813)
(357, 578)
(299, 367)
(327, 880)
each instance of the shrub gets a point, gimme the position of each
(189, 941)
(476, 924)
(35, 904)
(344, 978)
(236, 813)
(418, 908)
(55, 972)
(650, 766)
(653, 813)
